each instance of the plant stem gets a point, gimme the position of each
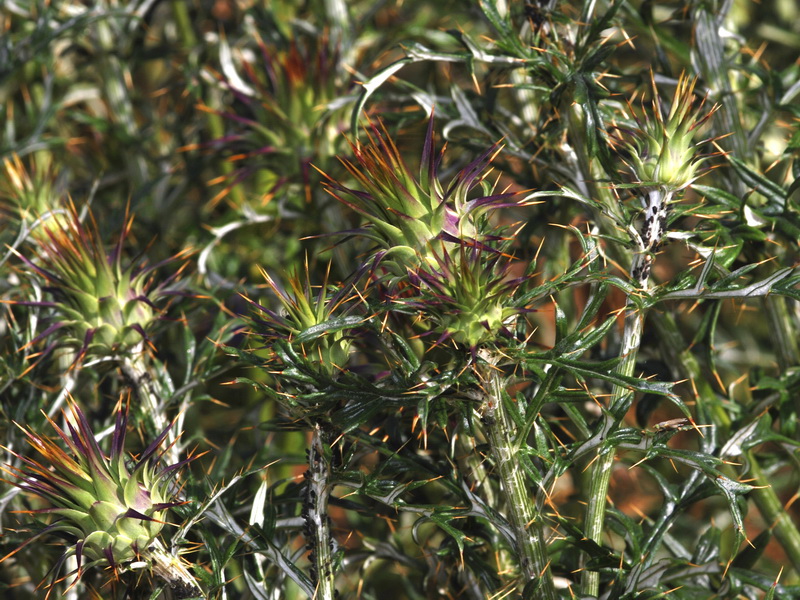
(656, 202)
(603, 465)
(150, 405)
(318, 525)
(170, 569)
(525, 519)
(472, 463)
(116, 76)
(773, 511)
(783, 330)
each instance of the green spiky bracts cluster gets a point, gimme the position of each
(111, 512)
(663, 152)
(30, 192)
(307, 324)
(99, 306)
(442, 256)
(286, 113)
(468, 294)
(406, 214)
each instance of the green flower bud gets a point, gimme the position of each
(100, 307)
(663, 153)
(112, 513)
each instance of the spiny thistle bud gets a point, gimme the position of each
(663, 154)
(313, 323)
(111, 512)
(31, 192)
(407, 213)
(101, 308)
(467, 294)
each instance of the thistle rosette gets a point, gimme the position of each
(111, 512)
(101, 307)
(311, 331)
(406, 213)
(663, 153)
(468, 295)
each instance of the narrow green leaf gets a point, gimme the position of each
(775, 193)
(330, 326)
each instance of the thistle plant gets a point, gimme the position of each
(521, 335)
(100, 309)
(405, 214)
(303, 325)
(664, 160)
(308, 341)
(103, 308)
(112, 513)
(288, 110)
(448, 268)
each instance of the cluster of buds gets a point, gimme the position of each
(406, 213)
(101, 308)
(112, 513)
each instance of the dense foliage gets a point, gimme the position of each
(398, 299)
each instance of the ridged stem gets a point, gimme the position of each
(525, 519)
(784, 332)
(471, 462)
(317, 522)
(655, 216)
(604, 463)
(773, 511)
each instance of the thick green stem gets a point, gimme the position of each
(714, 69)
(784, 332)
(116, 78)
(525, 518)
(656, 202)
(318, 525)
(604, 464)
(773, 511)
